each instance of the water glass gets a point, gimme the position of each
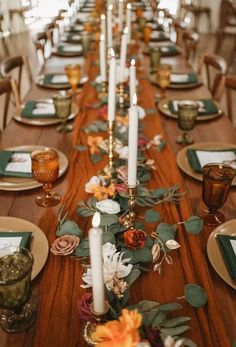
(187, 116)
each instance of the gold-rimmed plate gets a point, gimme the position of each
(23, 183)
(214, 253)
(163, 107)
(177, 86)
(43, 121)
(40, 82)
(38, 243)
(71, 38)
(68, 51)
(183, 163)
(164, 50)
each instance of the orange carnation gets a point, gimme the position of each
(134, 238)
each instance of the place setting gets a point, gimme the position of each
(166, 49)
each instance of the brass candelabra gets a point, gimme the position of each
(129, 219)
(111, 143)
(103, 92)
(121, 93)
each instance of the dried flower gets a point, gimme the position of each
(84, 307)
(65, 245)
(134, 238)
(120, 333)
(108, 206)
(121, 188)
(94, 142)
(123, 152)
(93, 182)
(122, 173)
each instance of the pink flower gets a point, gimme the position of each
(84, 307)
(122, 173)
(65, 245)
(121, 188)
(102, 112)
(142, 141)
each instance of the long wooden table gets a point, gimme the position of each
(57, 287)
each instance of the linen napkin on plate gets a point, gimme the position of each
(37, 109)
(15, 164)
(70, 49)
(197, 158)
(227, 245)
(187, 78)
(159, 36)
(168, 49)
(14, 239)
(55, 79)
(206, 106)
(72, 37)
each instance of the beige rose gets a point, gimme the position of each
(65, 245)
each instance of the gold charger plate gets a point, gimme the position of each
(146, 50)
(23, 183)
(66, 53)
(180, 86)
(42, 121)
(183, 163)
(164, 108)
(38, 243)
(40, 82)
(214, 253)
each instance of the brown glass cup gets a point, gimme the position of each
(62, 103)
(187, 116)
(45, 169)
(155, 58)
(163, 77)
(73, 73)
(217, 179)
(147, 32)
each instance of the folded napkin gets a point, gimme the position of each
(70, 49)
(183, 78)
(198, 158)
(55, 79)
(14, 239)
(227, 245)
(206, 106)
(73, 37)
(159, 36)
(34, 109)
(76, 28)
(168, 49)
(15, 164)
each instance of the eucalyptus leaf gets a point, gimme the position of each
(107, 236)
(143, 255)
(150, 110)
(80, 251)
(170, 306)
(158, 320)
(115, 228)
(108, 219)
(133, 276)
(166, 232)
(69, 228)
(148, 317)
(81, 148)
(152, 216)
(159, 193)
(84, 212)
(175, 322)
(174, 331)
(95, 158)
(189, 343)
(194, 225)
(195, 295)
(148, 305)
(143, 191)
(148, 242)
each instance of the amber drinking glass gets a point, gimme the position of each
(163, 77)
(45, 169)
(86, 40)
(15, 275)
(147, 32)
(139, 12)
(62, 103)
(217, 179)
(187, 116)
(73, 73)
(155, 57)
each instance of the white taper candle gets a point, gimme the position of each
(128, 21)
(103, 25)
(133, 143)
(123, 55)
(120, 15)
(109, 26)
(102, 58)
(112, 88)
(132, 81)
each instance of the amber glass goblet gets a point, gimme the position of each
(62, 103)
(139, 12)
(147, 32)
(15, 275)
(155, 58)
(73, 73)
(163, 77)
(187, 116)
(217, 179)
(45, 169)
(86, 40)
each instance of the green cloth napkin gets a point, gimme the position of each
(171, 50)
(48, 79)
(5, 157)
(193, 158)
(62, 49)
(192, 78)
(228, 253)
(25, 237)
(27, 111)
(161, 37)
(209, 106)
(70, 37)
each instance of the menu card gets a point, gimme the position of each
(72, 48)
(59, 79)
(14, 239)
(19, 162)
(227, 245)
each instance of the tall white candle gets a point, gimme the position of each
(103, 25)
(109, 26)
(96, 259)
(120, 15)
(133, 143)
(123, 55)
(128, 21)
(112, 88)
(132, 81)
(102, 58)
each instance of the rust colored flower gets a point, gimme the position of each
(121, 333)
(121, 188)
(102, 193)
(84, 307)
(94, 142)
(134, 238)
(65, 245)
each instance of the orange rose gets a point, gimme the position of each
(134, 238)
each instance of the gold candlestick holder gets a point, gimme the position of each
(121, 93)
(111, 143)
(103, 93)
(90, 327)
(129, 219)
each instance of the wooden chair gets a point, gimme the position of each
(179, 26)
(51, 28)
(190, 41)
(41, 41)
(217, 66)
(194, 8)
(8, 87)
(230, 86)
(11, 65)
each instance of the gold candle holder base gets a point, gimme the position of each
(121, 93)
(129, 219)
(111, 142)
(90, 327)
(103, 94)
